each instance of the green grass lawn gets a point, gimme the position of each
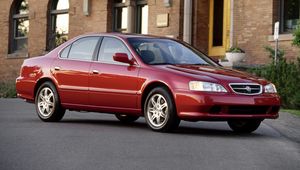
(294, 112)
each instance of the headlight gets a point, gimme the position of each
(270, 88)
(206, 86)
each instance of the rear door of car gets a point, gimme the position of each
(71, 70)
(113, 84)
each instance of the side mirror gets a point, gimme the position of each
(123, 58)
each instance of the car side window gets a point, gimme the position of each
(64, 53)
(83, 49)
(109, 47)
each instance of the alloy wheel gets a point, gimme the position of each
(46, 102)
(157, 110)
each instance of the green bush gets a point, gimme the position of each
(286, 77)
(296, 34)
(7, 89)
(280, 53)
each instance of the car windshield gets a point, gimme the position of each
(158, 51)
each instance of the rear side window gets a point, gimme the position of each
(83, 49)
(109, 47)
(65, 52)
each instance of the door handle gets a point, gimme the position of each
(95, 72)
(56, 68)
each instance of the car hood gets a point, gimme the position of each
(217, 74)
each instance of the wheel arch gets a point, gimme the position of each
(40, 82)
(150, 87)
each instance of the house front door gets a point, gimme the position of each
(219, 27)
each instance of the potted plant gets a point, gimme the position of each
(235, 55)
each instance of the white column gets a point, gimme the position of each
(130, 17)
(187, 21)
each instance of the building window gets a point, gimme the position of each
(58, 23)
(141, 17)
(20, 26)
(121, 15)
(120, 11)
(289, 15)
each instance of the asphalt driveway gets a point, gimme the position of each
(100, 141)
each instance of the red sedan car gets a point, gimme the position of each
(162, 79)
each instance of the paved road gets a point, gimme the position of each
(99, 141)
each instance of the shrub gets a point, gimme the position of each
(296, 34)
(286, 77)
(7, 89)
(280, 53)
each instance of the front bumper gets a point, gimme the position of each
(195, 106)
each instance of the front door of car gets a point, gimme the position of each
(71, 70)
(113, 84)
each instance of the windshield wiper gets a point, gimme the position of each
(201, 64)
(162, 64)
(197, 64)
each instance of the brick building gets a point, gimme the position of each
(33, 27)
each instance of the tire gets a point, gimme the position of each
(244, 126)
(126, 118)
(47, 103)
(160, 111)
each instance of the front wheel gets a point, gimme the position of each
(126, 118)
(244, 126)
(160, 111)
(47, 103)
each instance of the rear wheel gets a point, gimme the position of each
(47, 103)
(160, 111)
(244, 126)
(126, 118)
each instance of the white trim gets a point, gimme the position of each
(282, 37)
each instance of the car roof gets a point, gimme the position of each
(124, 35)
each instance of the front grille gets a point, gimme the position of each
(246, 88)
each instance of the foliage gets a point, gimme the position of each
(286, 77)
(60, 37)
(24, 6)
(235, 50)
(280, 53)
(296, 40)
(7, 89)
